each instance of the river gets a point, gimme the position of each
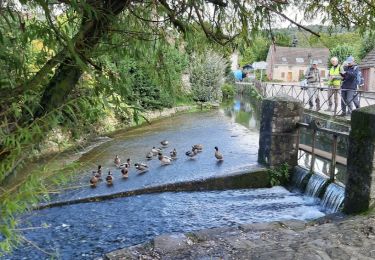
(87, 231)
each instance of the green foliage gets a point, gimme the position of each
(258, 49)
(368, 44)
(207, 74)
(279, 175)
(228, 90)
(342, 52)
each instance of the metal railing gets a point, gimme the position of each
(329, 100)
(315, 127)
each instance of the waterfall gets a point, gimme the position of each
(315, 185)
(300, 178)
(333, 198)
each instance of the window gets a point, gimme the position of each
(276, 66)
(283, 74)
(323, 73)
(284, 59)
(300, 60)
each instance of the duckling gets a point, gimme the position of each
(141, 167)
(191, 154)
(164, 160)
(173, 154)
(125, 172)
(218, 154)
(164, 143)
(149, 155)
(199, 147)
(109, 178)
(117, 161)
(93, 180)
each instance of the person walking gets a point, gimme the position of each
(312, 76)
(334, 83)
(349, 86)
(238, 73)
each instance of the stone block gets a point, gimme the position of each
(278, 131)
(360, 185)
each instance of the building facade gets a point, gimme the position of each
(367, 67)
(289, 64)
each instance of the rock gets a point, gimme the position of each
(169, 243)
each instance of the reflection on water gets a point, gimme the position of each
(243, 110)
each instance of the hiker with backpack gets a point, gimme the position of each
(349, 94)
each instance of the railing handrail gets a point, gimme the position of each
(325, 130)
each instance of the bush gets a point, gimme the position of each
(228, 91)
(280, 175)
(207, 74)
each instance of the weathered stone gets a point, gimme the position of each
(360, 186)
(278, 131)
(169, 243)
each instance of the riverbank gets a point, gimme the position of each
(332, 237)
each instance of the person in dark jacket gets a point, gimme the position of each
(349, 86)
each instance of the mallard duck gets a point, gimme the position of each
(98, 173)
(218, 154)
(164, 143)
(199, 147)
(117, 161)
(125, 172)
(141, 167)
(109, 178)
(173, 154)
(93, 180)
(149, 155)
(191, 154)
(164, 160)
(125, 165)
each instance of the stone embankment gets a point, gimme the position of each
(327, 238)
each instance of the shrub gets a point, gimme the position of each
(228, 91)
(279, 175)
(207, 74)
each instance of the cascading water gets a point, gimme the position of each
(333, 198)
(300, 178)
(315, 185)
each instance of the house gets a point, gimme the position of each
(290, 63)
(367, 67)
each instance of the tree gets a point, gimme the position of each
(70, 71)
(342, 52)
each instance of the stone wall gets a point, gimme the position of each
(360, 186)
(278, 131)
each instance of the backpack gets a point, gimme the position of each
(360, 80)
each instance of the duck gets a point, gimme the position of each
(125, 165)
(125, 172)
(109, 178)
(218, 154)
(98, 173)
(164, 143)
(199, 147)
(94, 180)
(149, 155)
(117, 161)
(164, 160)
(141, 167)
(191, 154)
(173, 154)
(155, 151)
